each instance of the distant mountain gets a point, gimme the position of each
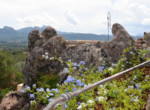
(20, 36)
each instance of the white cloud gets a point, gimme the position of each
(88, 16)
(146, 21)
(71, 18)
(38, 20)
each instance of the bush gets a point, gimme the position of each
(3, 92)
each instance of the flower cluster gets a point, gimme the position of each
(112, 95)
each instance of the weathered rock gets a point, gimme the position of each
(48, 33)
(121, 36)
(88, 51)
(140, 43)
(34, 40)
(147, 38)
(148, 103)
(38, 45)
(14, 101)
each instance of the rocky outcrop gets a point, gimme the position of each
(148, 103)
(140, 43)
(14, 101)
(121, 36)
(38, 45)
(89, 51)
(147, 38)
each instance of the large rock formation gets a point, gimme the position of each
(88, 51)
(38, 45)
(14, 101)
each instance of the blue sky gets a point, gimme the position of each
(85, 16)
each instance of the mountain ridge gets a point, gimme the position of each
(9, 34)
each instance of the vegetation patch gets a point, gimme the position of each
(129, 91)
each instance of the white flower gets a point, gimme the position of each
(111, 69)
(105, 91)
(130, 87)
(46, 53)
(47, 90)
(43, 56)
(90, 101)
(79, 107)
(31, 102)
(51, 58)
(99, 99)
(46, 57)
(82, 105)
(134, 78)
(100, 59)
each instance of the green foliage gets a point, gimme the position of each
(6, 70)
(11, 64)
(128, 92)
(3, 92)
(47, 81)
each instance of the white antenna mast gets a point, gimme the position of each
(109, 22)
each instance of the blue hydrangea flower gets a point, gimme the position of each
(51, 94)
(78, 82)
(105, 67)
(27, 88)
(50, 100)
(137, 86)
(79, 103)
(85, 85)
(40, 89)
(66, 106)
(75, 64)
(34, 85)
(74, 89)
(22, 91)
(32, 96)
(69, 79)
(101, 68)
(78, 65)
(82, 62)
(56, 90)
(131, 52)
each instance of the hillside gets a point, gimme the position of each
(9, 35)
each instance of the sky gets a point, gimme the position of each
(84, 16)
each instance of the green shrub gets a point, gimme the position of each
(3, 92)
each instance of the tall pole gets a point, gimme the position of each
(109, 22)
